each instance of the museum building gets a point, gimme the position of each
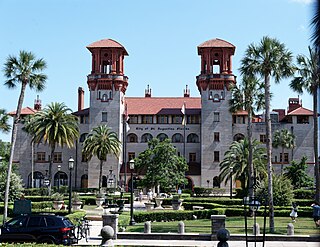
(201, 128)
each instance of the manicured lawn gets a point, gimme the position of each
(236, 225)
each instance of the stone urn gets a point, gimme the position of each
(176, 203)
(76, 205)
(149, 206)
(57, 205)
(159, 201)
(99, 201)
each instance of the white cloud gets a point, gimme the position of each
(303, 1)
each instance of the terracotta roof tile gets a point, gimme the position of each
(24, 111)
(106, 43)
(162, 105)
(241, 113)
(300, 111)
(216, 43)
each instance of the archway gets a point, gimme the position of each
(38, 178)
(60, 179)
(84, 181)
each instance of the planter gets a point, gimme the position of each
(159, 201)
(57, 205)
(76, 205)
(149, 206)
(99, 202)
(176, 204)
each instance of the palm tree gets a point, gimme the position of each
(248, 96)
(55, 125)
(4, 118)
(24, 70)
(237, 157)
(315, 22)
(268, 59)
(308, 79)
(101, 142)
(284, 139)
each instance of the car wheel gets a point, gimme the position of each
(46, 241)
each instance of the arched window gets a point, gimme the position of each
(238, 137)
(83, 137)
(216, 97)
(110, 95)
(132, 138)
(37, 179)
(104, 97)
(192, 138)
(84, 181)
(162, 136)
(60, 178)
(146, 137)
(177, 138)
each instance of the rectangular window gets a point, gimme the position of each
(57, 157)
(162, 119)
(83, 158)
(216, 136)
(84, 119)
(41, 157)
(104, 117)
(302, 119)
(192, 157)
(176, 119)
(193, 119)
(263, 138)
(216, 117)
(131, 155)
(147, 119)
(216, 157)
(133, 119)
(286, 157)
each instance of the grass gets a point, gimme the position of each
(236, 225)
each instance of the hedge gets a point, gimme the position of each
(202, 191)
(304, 194)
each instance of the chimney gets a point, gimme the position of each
(147, 92)
(281, 113)
(294, 103)
(186, 92)
(37, 104)
(80, 99)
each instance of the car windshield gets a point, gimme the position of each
(17, 221)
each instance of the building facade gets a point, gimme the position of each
(201, 128)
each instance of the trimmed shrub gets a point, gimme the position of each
(303, 194)
(202, 191)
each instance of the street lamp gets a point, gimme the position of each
(70, 166)
(59, 168)
(132, 222)
(231, 170)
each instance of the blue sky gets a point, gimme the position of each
(161, 38)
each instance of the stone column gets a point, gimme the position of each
(217, 222)
(147, 227)
(111, 220)
(181, 227)
(290, 229)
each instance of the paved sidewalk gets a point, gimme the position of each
(95, 239)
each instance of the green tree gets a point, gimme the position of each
(100, 142)
(54, 125)
(248, 96)
(5, 150)
(283, 139)
(315, 23)
(237, 157)
(308, 79)
(163, 167)
(24, 70)
(298, 175)
(15, 183)
(4, 118)
(269, 58)
(282, 190)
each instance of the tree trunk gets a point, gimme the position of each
(13, 143)
(250, 162)
(53, 147)
(269, 152)
(282, 160)
(100, 176)
(32, 163)
(315, 143)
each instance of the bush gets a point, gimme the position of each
(36, 191)
(303, 194)
(201, 191)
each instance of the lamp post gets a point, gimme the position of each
(231, 170)
(70, 166)
(59, 168)
(132, 222)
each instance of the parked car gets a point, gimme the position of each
(51, 229)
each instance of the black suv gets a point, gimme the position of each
(38, 228)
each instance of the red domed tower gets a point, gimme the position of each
(216, 120)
